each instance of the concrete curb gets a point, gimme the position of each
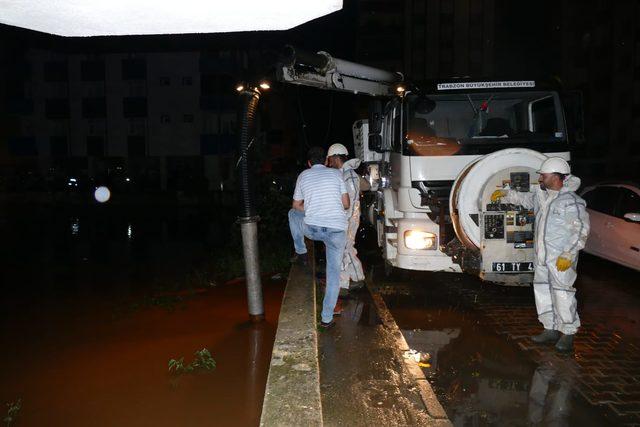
(292, 394)
(431, 403)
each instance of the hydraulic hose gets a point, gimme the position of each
(248, 218)
(249, 99)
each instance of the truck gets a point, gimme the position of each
(435, 155)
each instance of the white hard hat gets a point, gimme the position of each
(555, 165)
(336, 150)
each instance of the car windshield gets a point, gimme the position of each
(482, 118)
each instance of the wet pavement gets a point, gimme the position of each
(485, 370)
(94, 306)
(362, 379)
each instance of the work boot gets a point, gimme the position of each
(354, 286)
(547, 336)
(300, 259)
(565, 344)
(327, 325)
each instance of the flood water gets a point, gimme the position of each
(482, 377)
(97, 301)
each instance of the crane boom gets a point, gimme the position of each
(323, 71)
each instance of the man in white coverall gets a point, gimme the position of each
(561, 230)
(351, 266)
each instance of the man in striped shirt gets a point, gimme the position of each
(318, 212)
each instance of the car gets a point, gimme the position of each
(614, 213)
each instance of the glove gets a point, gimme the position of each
(497, 195)
(563, 262)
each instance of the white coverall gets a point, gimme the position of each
(351, 265)
(561, 229)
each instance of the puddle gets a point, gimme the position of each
(481, 378)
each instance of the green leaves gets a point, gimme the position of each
(13, 408)
(177, 366)
(202, 362)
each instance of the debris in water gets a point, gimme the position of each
(417, 356)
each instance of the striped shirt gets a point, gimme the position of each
(321, 188)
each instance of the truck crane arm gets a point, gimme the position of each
(323, 71)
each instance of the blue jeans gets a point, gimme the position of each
(334, 241)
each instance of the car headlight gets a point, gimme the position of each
(416, 239)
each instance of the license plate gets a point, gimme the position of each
(512, 267)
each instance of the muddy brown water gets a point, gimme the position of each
(87, 331)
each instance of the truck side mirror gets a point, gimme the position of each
(375, 126)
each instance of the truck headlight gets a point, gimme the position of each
(416, 239)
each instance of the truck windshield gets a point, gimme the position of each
(460, 123)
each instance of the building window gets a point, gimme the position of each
(217, 84)
(95, 146)
(19, 105)
(165, 118)
(56, 71)
(92, 71)
(165, 81)
(23, 146)
(136, 145)
(187, 118)
(211, 145)
(187, 81)
(59, 146)
(97, 127)
(137, 126)
(94, 108)
(56, 108)
(134, 107)
(228, 125)
(134, 69)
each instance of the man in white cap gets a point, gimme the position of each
(351, 265)
(561, 230)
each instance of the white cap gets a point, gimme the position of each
(336, 150)
(555, 165)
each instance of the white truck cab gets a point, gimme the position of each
(434, 158)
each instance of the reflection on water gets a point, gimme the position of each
(480, 377)
(550, 397)
(75, 226)
(114, 251)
